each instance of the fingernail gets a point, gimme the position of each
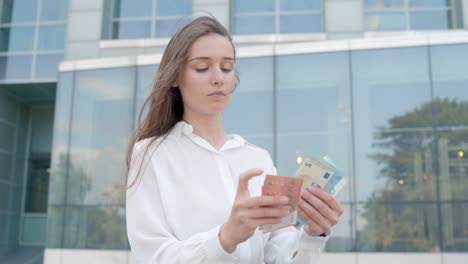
(284, 199)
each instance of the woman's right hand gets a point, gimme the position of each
(248, 213)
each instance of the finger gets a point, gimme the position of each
(318, 204)
(310, 226)
(243, 186)
(327, 198)
(265, 200)
(312, 216)
(268, 212)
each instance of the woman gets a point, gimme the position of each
(194, 191)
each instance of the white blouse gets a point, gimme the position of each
(184, 193)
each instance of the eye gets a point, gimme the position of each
(226, 70)
(201, 70)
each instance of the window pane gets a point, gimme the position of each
(431, 19)
(254, 25)
(55, 226)
(15, 67)
(51, 37)
(383, 4)
(300, 5)
(99, 227)
(429, 3)
(450, 79)
(455, 226)
(132, 30)
(313, 111)
(385, 21)
(174, 8)
(60, 139)
(54, 10)
(453, 156)
(16, 38)
(167, 27)
(248, 6)
(146, 75)
(98, 139)
(7, 133)
(5, 162)
(397, 227)
(342, 239)
(4, 199)
(37, 183)
(128, 8)
(47, 66)
(300, 23)
(393, 141)
(251, 110)
(14, 11)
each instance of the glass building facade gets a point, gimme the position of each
(338, 78)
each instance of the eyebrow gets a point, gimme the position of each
(208, 58)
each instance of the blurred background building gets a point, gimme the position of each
(380, 86)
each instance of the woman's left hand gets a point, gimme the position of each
(319, 209)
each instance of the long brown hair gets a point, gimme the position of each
(165, 106)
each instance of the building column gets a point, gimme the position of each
(218, 8)
(464, 7)
(84, 29)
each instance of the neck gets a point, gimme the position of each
(210, 128)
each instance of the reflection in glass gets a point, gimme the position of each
(452, 160)
(95, 227)
(245, 25)
(398, 227)
(16, 38)
(313, 110)
(47, 66)
(131, 30)
(60, 139)
(55, 226)
(17, 11)
(54, 10)
(391, 139)
(342, 238)
(51, 37)
(98, 139)
(455, 226)
(449, 64)
(15, 67)
(145, 78)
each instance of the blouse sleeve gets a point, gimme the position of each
(292, 246)
(149, 233)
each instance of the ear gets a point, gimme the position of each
(175, 84)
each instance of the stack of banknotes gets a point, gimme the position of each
(320, 173)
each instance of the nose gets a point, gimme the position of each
(217, 77)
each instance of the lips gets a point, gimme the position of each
(217, 93)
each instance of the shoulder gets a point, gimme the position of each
(149, 147)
